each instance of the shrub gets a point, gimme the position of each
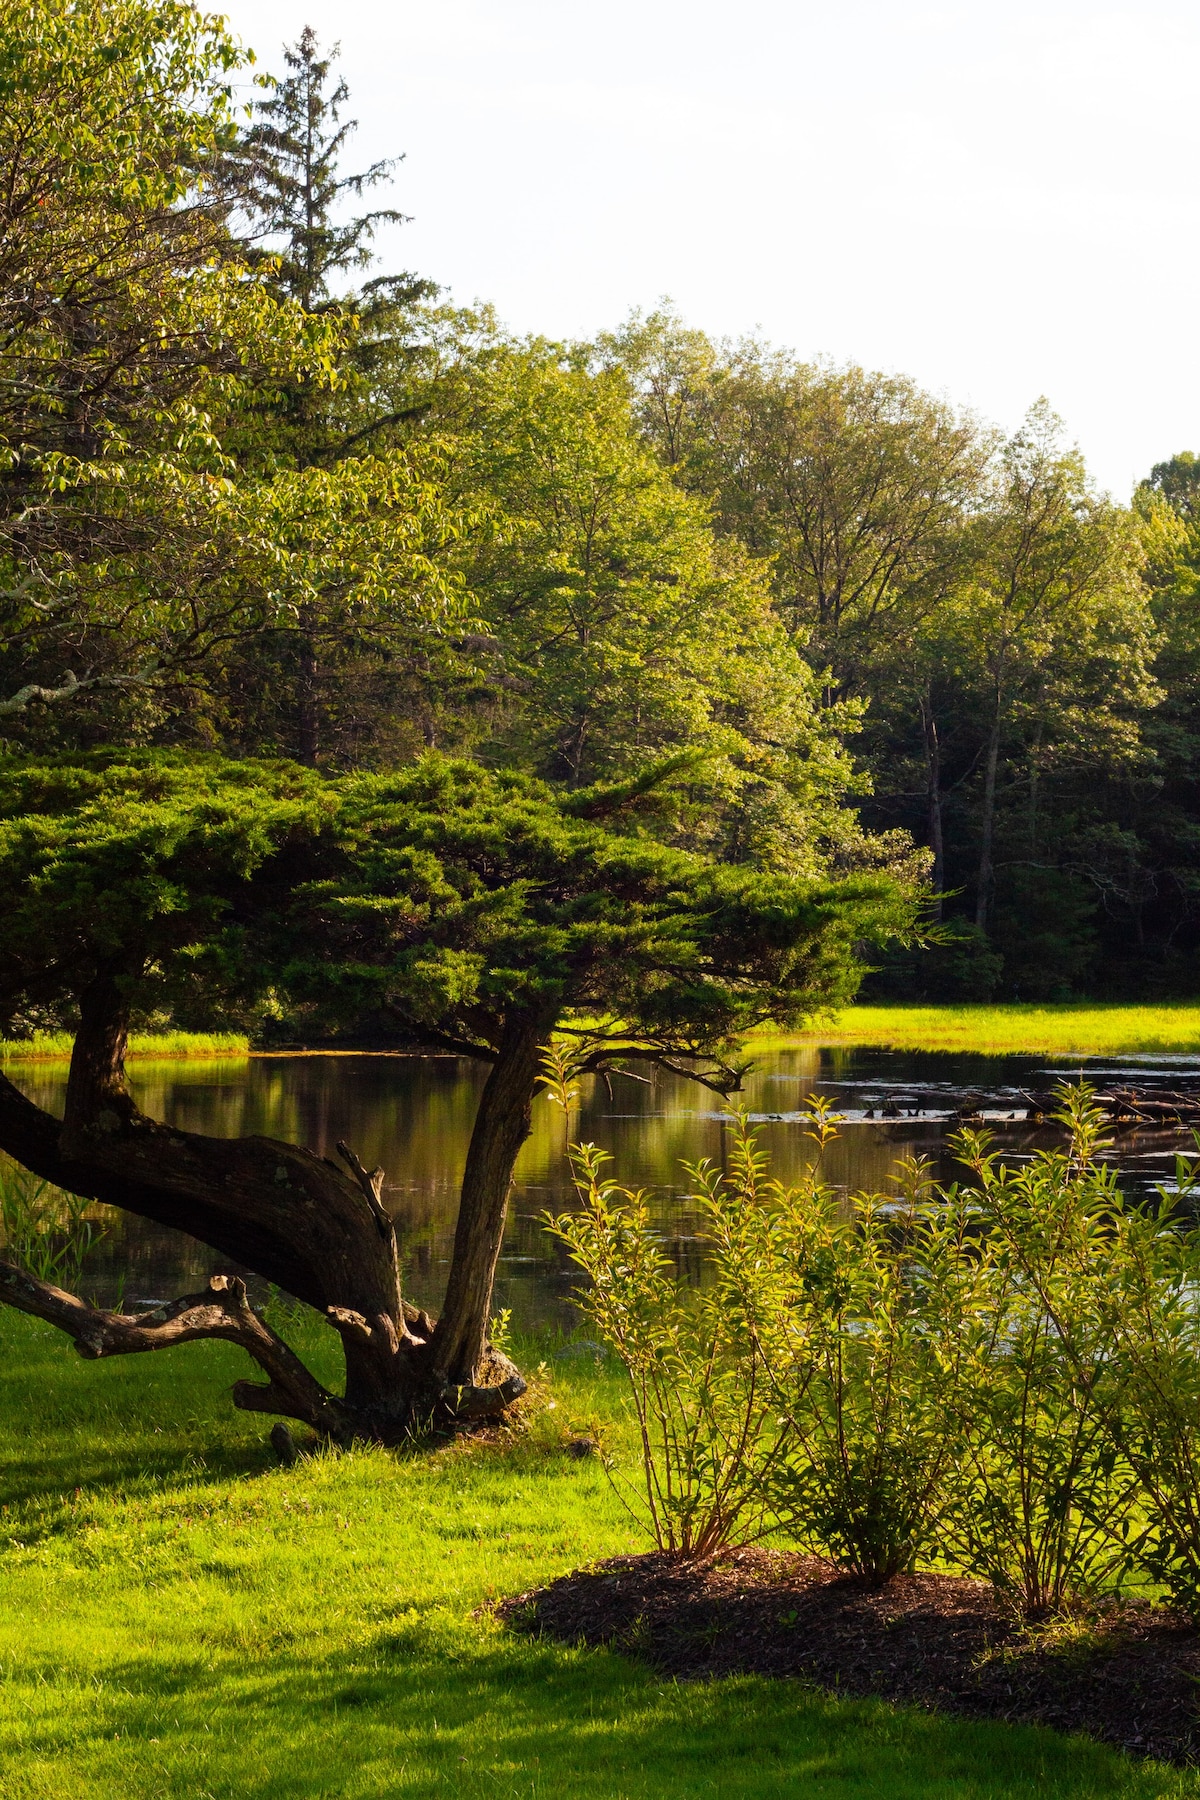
(1148, 1385)
(1004, 1375)
(875, 1313)
(704, 1413)
(1043, 1498)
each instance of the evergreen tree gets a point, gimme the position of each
(289, 184)
(288, 188)
(444, 905)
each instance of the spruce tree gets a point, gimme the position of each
(287, 187)
(290, 184)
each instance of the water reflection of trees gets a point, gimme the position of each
(413, 1116)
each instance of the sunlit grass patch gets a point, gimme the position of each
(55, 1046)
(1076, 1029)
(179, 1616)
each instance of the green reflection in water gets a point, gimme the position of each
(413, 1116)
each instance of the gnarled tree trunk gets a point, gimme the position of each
(316, 1230)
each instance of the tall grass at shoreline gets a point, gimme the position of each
(1081, 1028)
(56, 1046)
(1077, 1028)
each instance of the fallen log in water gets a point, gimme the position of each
(1127, 1108)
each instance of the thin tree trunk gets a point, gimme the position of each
(501, 1127)
(307, 727)
(983, 893)
(933, 790)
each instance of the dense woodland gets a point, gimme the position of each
(259, 497)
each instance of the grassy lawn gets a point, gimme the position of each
(180, 1616)
(1080, 1028)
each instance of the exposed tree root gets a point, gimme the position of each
(223, 1311)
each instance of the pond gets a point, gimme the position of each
(413, 1116)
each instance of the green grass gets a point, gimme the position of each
(181, 1617)
(1079, 1028)
(55, 1046)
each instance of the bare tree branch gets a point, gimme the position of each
(223, 1311)
(70, 686)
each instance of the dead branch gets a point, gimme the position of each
(70, 685)
(371, 1184)
(222, 1311)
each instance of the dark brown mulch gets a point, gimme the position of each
(1128, 1675)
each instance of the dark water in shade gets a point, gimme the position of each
(413, 1116)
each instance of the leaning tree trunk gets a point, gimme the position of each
(318, 1231)
(501, 1127)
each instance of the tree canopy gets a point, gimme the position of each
(454, 907)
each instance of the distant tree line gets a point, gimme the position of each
(253, 501)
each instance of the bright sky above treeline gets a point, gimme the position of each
(1000, 201)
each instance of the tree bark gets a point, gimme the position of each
(983, 893)
(501, 1127)
(293, 1217)
(933, 791)
(307, 726)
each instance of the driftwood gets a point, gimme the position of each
(1127, 1108)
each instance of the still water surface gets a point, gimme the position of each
(413, 1116)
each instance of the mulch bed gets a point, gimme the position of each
(1128, 1674)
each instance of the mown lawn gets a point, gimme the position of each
(1080, 1028)
(179, 1616)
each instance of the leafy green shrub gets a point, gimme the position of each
(858, 1315)
(1148, 1384)
(1043, 1500)
(705, 1418)
(1004, 1375)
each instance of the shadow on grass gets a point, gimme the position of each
(117, 1427)
(425, 1711)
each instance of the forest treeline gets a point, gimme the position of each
(256, 497)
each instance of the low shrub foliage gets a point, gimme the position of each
(999, 1376)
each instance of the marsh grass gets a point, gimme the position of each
(1078, 1029)
(43, 1229)
(56, 1046)
(179, 1616)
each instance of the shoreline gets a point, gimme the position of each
(1069, 1028)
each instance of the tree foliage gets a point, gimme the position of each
(440, 905)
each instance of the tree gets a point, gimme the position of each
(288, 187)
(1177, 481)
(127, 324)
(285, 174)
(1054, 630)
(851, 483)
(624, 630)
(456, 908)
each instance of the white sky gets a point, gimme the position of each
(1000, 200)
